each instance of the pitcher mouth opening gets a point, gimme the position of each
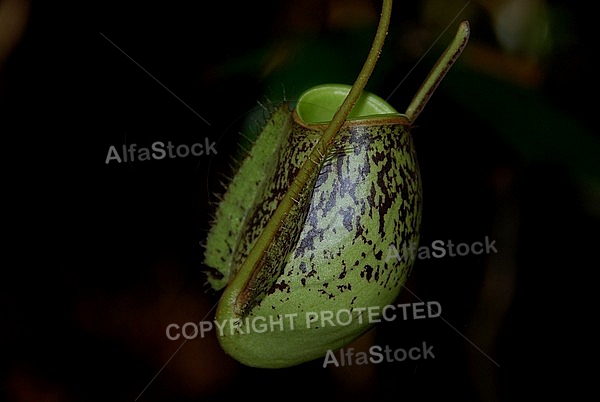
(318, 105)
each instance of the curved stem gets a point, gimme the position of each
(344, 110)
(361, 81)
(439, 71)
(307, 174)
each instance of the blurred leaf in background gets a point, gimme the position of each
(506, 76)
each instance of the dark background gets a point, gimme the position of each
(100, 258)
